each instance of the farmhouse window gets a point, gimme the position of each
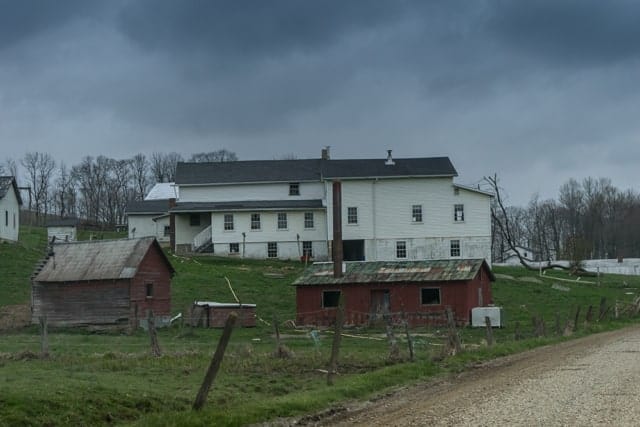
(272, 250)
(456, 191)
(430, 296)
(149, 290)
(294, 189)
(330, 299)
(255, 221)
(416, 213)
(455, 248)
(307, 249)
(282, 221)
(401, 249)
(14, 220)
(308, 220)
(458, 213)
(228, 222)
(352, 215)
(234, 248)
(194, 220)
(167, 230)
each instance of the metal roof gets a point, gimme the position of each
(148, 207)
(254, 171)
(163, 191)
(394, 272)
(249, 205)
(63, 222)
(97, 260)
(6, 182)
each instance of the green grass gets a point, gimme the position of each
(106, 378)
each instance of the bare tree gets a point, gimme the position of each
(163, 166)
(222, 155)
(39, 168)
(140, 175)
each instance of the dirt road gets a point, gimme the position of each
(588, 381)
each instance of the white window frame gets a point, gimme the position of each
(294, 188)
(234, 248)
(455, 248)
(352, 215)
(307, 248)
(309, 220)
(256, 224)
(458, 212)
(272, 250)
(228, 222)
(401, 249)
(283, 223)
(416, 214)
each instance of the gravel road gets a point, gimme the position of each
(588, 381)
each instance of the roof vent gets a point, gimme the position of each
(389, 161)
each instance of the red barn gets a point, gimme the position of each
(419, 291)
(103, 282)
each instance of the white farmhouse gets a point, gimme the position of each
(10, 202)
(150, 217)
(392, 209)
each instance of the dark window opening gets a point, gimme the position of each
(272, 249)
(149, 290)
(330, 299)
(167, 230)
(194, 220)
(255, 221)
(234, 248)
(294, 189)
(352, 215)
(353, 250)
(307, 249)
(430, 296)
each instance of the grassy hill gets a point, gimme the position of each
(104, 378)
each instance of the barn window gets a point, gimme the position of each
(308, 220)
(149, 290)
(416, 213)
(255, 221)
(294, 189)
(458, 213)
(330, 299)
(455, 248)
(272, 249)
(167, 230)
(228, 222)
(401, 249)
(282, 220)
(352, 215)
(307, 249)
(234, 248)
(194, 220)
(430, 296)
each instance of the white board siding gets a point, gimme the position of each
(384, 209)
(62, 234)
(9, 209)
(244, 192)
(428, 248)
(268, 227)
(286, 250)
(185, 232)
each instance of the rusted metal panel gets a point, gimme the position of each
(96, 260)
(395, 272)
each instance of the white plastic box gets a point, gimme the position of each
(495, 314)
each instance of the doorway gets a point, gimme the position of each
(353, 250)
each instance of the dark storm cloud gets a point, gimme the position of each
(570, 32)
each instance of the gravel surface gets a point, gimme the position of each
(588, 381)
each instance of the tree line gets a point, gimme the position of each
(97, 189)
(591, 219)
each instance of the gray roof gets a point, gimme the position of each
(309, 170)
(395, 272)
(97, 260)
(250, 205)
(6, 182)
(148, 207)
(63, 222)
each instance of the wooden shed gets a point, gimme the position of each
(418, 291)
(64, 230)
(214, 314)
(103, 282)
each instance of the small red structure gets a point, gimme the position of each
(214, 314)
(103, 282)
(418, 291)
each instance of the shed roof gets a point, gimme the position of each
(97, 260)
(7, 182)
(63, 222)
(254, 171)
(395, 272)
(248, 205)
(148, 207)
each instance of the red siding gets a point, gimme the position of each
(405, 298)
(152, 270)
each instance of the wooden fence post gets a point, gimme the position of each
(337, 336)
(575, 321)
(201, 398)
(603, 308)
(558, 324)
(409, 340)
(44, 337)
(589, 316)
(394, 351)
(453, 339)
(151, 326)
(489, 330)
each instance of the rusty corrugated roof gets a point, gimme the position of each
(394, 271)
(96, 260)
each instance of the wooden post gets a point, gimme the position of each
(394, 351)
(409, 340)
(558, 326)
(487, 322)
(201, 398)
(453, 338)
(44, 338)
(576, 317)
(589, 316)
(603, 308)
(337, 336)
(151, 326)
(538, 325)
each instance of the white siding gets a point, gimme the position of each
(185, 232)
(9, 216)
(145, 226)
(243, 192)
(62, 234)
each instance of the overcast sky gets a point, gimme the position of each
(535, 91)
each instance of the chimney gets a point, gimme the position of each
(325, 153)
(172, 225)
(337, 230)
(389, 161)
